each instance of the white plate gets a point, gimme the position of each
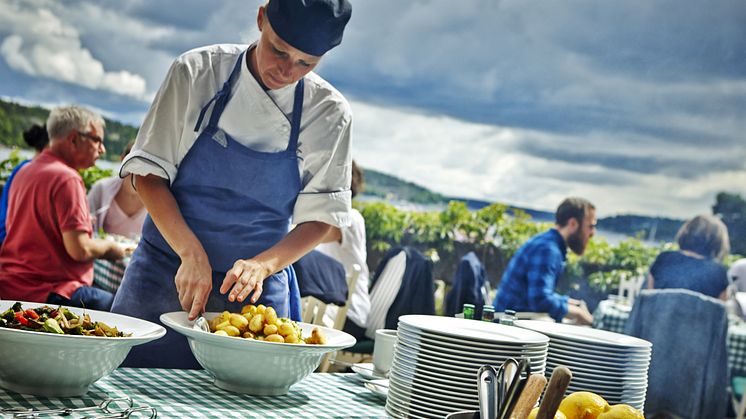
(424, 395)
(472, 330)
(437, 386)
(536, 363)
(584, 358)
(611, 365)
(610, 350)
(418, 333)
(594, 371)
(468, 346)
(442, 359)
(378, 387)
(367, 371)
(398, 410)
(582, 334)
(427, 406)
(460, 354)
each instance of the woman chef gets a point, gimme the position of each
(237, 141)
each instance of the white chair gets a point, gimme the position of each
(384, 292)
(629, 287)
(314, 310)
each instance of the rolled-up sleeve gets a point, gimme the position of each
(156, 149)
(327, 173)
(544, 268)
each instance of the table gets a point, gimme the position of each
(108, 275)
(190, 394)
(612, 316)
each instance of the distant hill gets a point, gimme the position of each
(392, 188)
(15, 118)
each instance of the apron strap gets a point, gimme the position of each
(297, 112)
(220, 98)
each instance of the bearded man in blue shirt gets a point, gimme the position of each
(528, 282)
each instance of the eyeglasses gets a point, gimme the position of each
(95, 138)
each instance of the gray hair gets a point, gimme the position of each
(64, 119)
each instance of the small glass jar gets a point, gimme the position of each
(469, 311)
(488, 313)
(508, 317)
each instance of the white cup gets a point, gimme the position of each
(383, 350)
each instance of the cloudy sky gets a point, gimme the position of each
(638, 105)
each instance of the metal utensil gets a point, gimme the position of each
(201, 324)
(514, 386)
(486, 387)
(128, 413)
(66, 411)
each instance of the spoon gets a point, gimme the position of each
(201, 324)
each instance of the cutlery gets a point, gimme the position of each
(532, 389)
(487, 385)
(556, 388)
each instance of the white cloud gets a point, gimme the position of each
(43, 45)
(463, 159)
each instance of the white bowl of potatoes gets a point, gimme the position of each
(264, 357)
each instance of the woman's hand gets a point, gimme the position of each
(246, 276)
(194, 283)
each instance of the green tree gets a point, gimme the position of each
(732, 209)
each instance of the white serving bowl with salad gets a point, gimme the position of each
(257, 367)
(59, 351)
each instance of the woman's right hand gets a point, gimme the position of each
(194, 283)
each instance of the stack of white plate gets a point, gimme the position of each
(612, 365)
(436, 359)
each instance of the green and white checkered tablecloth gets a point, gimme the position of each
(191, 394)
(613, 317)
(108, 275)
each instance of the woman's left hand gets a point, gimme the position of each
(246, 276)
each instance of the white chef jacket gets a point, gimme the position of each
(255, 118)
(349, 251)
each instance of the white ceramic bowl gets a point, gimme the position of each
(255, 367)
(51, 365)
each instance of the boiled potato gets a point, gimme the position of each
(275, 338)
(239, 321)
(270, 315)
(257, 323)
(270, 329)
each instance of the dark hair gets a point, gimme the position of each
(36, 137)
(570, 208)
(358, 180)
(704, 235)
(126, 150)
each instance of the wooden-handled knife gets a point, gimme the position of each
(556, 388)
(528, 397)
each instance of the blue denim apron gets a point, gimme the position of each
(238, 203)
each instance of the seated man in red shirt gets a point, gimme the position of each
(48, 253)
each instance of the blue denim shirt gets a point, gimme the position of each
(528, 282)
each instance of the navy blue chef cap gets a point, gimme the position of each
(312, 26)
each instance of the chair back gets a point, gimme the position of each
(403, 285)
(385, 289)
(629, 287)
(688, 373)
(468, 287)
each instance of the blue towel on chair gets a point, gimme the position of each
(688, 373)
(322, 277)
(467, 286)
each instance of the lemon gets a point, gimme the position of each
(583, 405)
(621, 411)
(535, 410)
